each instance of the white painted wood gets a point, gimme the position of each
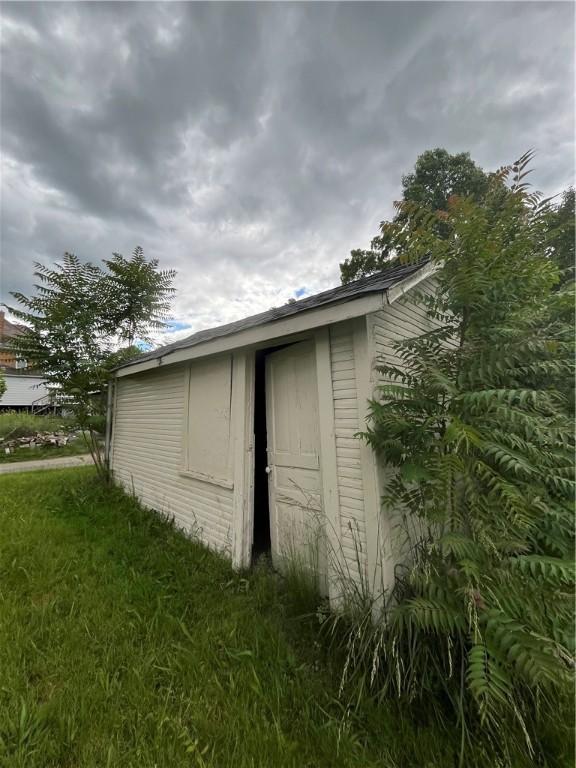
(404, 286)
(22, 390)
(243, 436)
(403, 319)
(371, 478)
(109, 402)
(146, 457)
(113, 427)
(352, 529)
(328, 465)
(208, 444)
(297, 528)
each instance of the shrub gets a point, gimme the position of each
(14, 424)
(476, 419)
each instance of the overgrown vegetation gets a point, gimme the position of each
(83, 321)
(437, 177)
(15, 424)
(477, 419)
(123, 643)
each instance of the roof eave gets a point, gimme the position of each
(287, 326)
(335, 312)
(398, 290)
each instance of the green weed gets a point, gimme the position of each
(14, 424)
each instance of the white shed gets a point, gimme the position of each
(22, 390)
(246, 434)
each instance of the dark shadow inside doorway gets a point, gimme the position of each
(261, 540)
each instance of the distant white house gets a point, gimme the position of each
(247, 434)
(22, 390)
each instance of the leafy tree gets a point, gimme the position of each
(140, 295)
(560, 225)
(476, 420)
(2, 384)
(84, 320)
(437, 175)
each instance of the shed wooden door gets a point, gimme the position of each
(293, 453)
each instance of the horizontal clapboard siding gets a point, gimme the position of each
(349, 465)
(404, 319)
(147, 455)
(22, 390)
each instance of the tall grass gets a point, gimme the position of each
(376, 665)
(14, 424)
(361, 638)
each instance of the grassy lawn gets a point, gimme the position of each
(123, 643)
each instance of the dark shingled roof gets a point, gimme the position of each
(379, 282)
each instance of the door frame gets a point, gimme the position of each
(274, 389)
(244, 391)
(328, 463)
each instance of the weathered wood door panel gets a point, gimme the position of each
(294, 482)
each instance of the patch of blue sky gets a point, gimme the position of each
(176, 325)
(300, 292)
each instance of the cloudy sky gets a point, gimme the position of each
(250, 146)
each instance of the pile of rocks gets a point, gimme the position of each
(39, 440)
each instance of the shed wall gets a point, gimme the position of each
(401, 320)
(147, 456)
(147, 453)
(347, 423)
(404, 319)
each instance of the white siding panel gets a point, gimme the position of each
(349, 465)
(401, 320)
(147, 456)
(22, 390)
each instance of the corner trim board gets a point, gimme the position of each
(328, 462)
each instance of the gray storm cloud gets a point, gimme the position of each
(251, 146)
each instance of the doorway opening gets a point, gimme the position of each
(261, 542)
(261, 538)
